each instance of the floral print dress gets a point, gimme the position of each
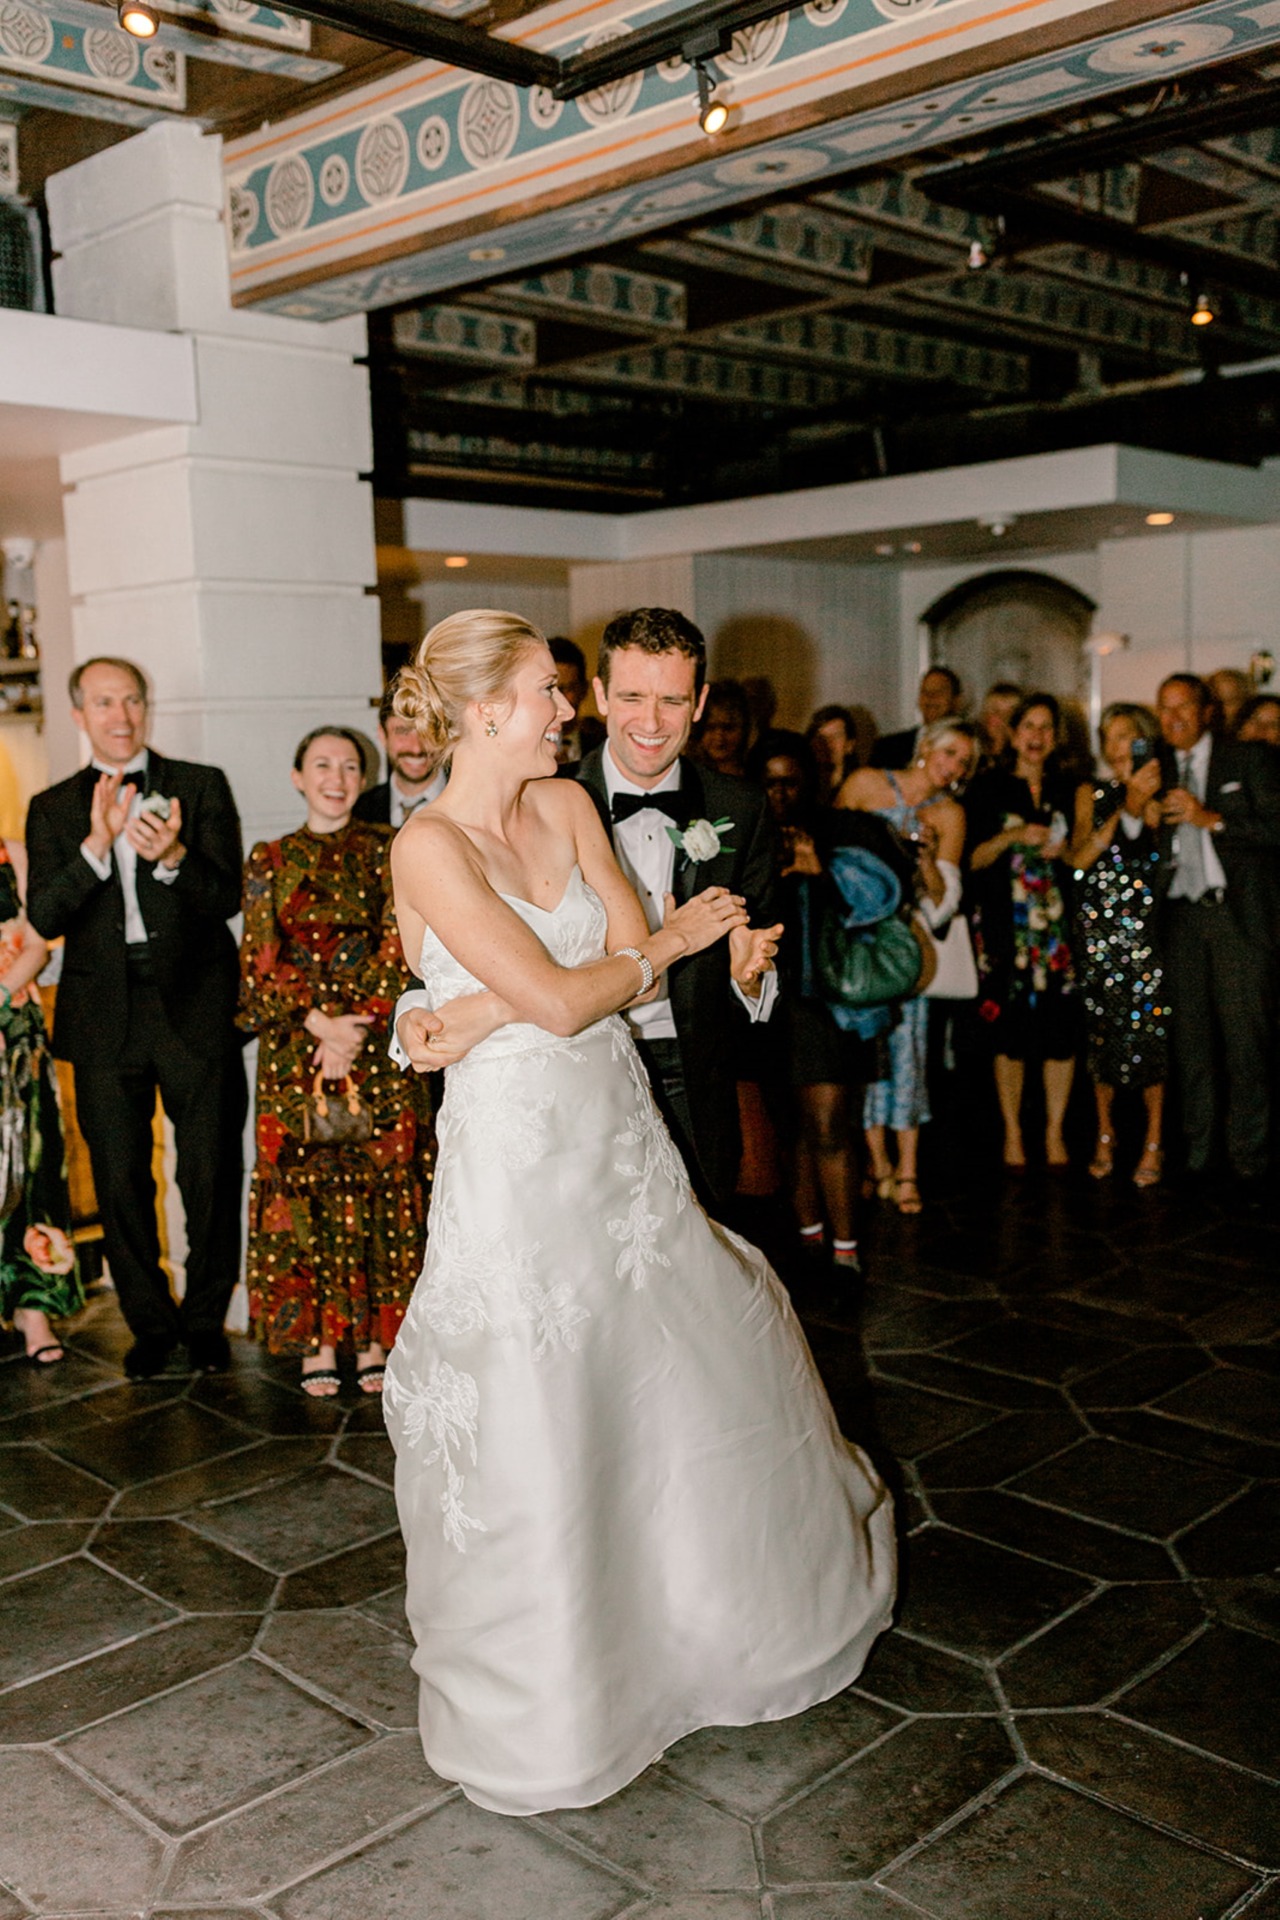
(1027, 991)
(335, 1231)
(37, 1258)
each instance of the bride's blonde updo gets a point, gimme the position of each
(470, 656)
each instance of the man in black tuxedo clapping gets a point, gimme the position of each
(137, 861)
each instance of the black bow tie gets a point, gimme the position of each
(625, 804)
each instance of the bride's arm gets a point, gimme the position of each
(438, 883)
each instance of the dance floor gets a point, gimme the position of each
(208, 1708)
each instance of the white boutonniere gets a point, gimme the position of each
(701, 840)
(156, 803)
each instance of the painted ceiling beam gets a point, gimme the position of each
(967, 183)
(597, 293)
(430, 36)
(854, 347)
(697, 32)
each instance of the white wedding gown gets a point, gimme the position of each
(628, 1510)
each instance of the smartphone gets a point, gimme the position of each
(1141, 751)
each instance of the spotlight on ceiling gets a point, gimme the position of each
(1203, 313)
(1161, 519)
(978, 256)
(713, 114)
(139, 19)
(456, 560)
(997, 524)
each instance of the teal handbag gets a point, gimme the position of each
(869, 966)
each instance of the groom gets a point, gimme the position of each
(651, 688)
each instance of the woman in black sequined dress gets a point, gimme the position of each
(1116, 853)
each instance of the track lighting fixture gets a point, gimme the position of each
(978, 256)
(713, 114)
(138, 18)
(1203, 313)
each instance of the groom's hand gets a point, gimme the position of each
(751, 955)
(416, 1030)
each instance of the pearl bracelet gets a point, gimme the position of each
(642, 961)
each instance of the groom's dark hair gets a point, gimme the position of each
(654, 630)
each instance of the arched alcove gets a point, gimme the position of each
(1013, 623)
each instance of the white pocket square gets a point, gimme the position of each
(1229, 786)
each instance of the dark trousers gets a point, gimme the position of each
(665, 1068)
(205, 1098)
(1220, 989)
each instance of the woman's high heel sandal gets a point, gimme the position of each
(1103, 1161)
(1151, 1166)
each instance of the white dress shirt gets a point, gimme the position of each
(403, 804)
(126, 856)
(647, 855)
(1193, 772)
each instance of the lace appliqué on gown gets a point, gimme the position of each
(638, 1229)
(445, 1407)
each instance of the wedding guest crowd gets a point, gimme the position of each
(974, 881)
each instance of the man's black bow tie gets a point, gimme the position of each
(670, 802)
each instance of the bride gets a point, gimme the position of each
(628, 1510)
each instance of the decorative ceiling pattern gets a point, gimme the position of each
(475, 153)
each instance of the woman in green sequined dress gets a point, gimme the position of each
(38, 1277)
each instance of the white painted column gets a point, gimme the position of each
(230, 558)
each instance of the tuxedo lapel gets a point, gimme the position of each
(688, 877)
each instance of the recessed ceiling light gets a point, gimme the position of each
(1159, 519)
(911, 546)
(456, 560)
(884, 548)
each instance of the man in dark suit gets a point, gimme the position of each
(1221, 838)
(413, 778)
(651, 687)
(938, 699)
(136, 861)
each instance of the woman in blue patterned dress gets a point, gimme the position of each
(918, 805)
(1116, 853)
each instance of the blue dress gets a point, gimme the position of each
(902, 1100)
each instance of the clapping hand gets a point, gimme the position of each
(108, 812)
(1182, 809)
(154, 838)
(751, 955)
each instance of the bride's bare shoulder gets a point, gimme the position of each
(432, 847)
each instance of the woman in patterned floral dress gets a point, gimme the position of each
(1020, 817)
(335, 1230)
(38, 1277)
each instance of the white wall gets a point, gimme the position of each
(821, 631)
(597, 593)
(547, 606)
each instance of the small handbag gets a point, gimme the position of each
(336, 1120)
(955, 975)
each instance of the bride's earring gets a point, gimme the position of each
(491, 728)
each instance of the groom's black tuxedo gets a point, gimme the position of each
(155, 1013)
(709, 1021)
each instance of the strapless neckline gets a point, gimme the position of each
(518, 899)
